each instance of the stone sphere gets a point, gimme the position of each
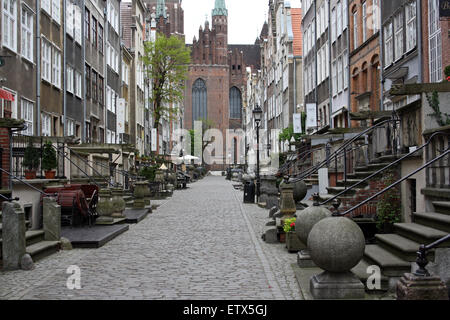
(307, 218)
(300, 190)
(336, 244)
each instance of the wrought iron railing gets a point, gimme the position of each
(422, 260)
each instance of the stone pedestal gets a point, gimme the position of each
(139, 194)
(51, 212)
(304, 259)
(13, 235)
(287, 204)
(412, 287)
(118, 203)
(269, 191)
(104, 207)
(342, 285)
(324, 183)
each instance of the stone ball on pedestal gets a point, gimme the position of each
(336, 244)
(307, 218)
(300, 190)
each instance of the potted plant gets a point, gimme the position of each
(49, 161)
(388, 207)
(30, 161)
(293, 243)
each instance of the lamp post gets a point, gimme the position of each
(257, 114)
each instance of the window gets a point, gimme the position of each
(46, 5)
(113, 101)
(319, 66)
(78, 84)
(78, 24)
(324, 61)
(56, 68)
(27, 115)
(87, 24)
(344, 14)
(375, 16)
(46, 125)
(94, 86)
(235, 103)
(94, 31)
(199, 100)
(345, 59)
(9, 108)
(334, 76)
(9, 29)
(70, 16)
(100, 91)
(108, 98)
(333, 25)
(340, 78)
(388, 46)
(100, 38)
(27, 34)
(70, 127)
(46, 60)
(411, 32)
(398, 29)
(355, 30)
(364, 21)
(69, 81)
(435, 42)
(88, 81)
(56, 11)
(339, 19)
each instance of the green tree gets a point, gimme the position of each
(166, 64)
(206, 125)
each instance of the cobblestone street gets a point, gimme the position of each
(203, 243)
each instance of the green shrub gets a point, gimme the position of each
(388, 205)
(31, 157)
(49, 161)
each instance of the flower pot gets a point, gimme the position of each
(282, 237)
(50, 174)
(30, 174)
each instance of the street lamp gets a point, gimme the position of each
(257, 114)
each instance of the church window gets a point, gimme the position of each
(235, 103)
(199, 101)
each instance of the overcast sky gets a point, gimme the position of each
(245, 18)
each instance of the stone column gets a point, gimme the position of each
(118, 203)
(287, 204)
(104, 207)
(51, 212)
(13, 235)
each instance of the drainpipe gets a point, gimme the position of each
(105, 71)
(419, 39)
(330, 92)
(38, 67)
(64, 72)
(380, 39)
(315, 65)
(349, 77)
(83, 43)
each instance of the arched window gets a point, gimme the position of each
(199, 101)
(235, 103)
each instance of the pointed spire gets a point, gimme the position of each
(220, 9)
(161, 9)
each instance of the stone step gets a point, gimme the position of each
(442, 207)
(336, 190)
(34, 236)
(390, 264)
(42, 249)
(127, 198)
(360, 270)
(350, 182)
(360, 174)
(433, 220)
(402, 247)
(439, 193)
(420, 233)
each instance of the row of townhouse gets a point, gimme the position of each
(356, 50)
(73, 68)
(278, 86)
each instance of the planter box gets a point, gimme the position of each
(293, 243)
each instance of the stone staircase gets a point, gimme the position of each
(36, 245)
(395, 253)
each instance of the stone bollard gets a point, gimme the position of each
(336, 245)
(13, 235)
(147, 195)
(269, 191)
(306, 220)
(104, 207)
(51, 212)
(139, 194)
(118, 203)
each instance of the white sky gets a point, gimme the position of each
(245, 18)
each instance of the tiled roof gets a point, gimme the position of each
(296, 15)
(251, 53)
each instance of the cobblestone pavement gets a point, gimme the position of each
(203, 243)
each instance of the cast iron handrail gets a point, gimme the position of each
(27, 184)
(9, 199)
(301, 157)
(336, 205)
(342, 148)
(422, 260)
(392, 164)
(85, 161)
(70, 160)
